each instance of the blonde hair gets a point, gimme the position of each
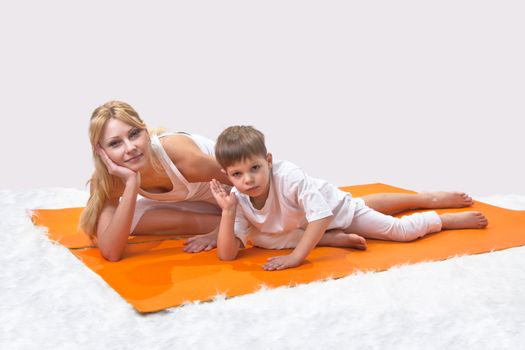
(237, 143)
(105, 186)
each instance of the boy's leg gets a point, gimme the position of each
(466, 219)
(373, 224)
(393, 203)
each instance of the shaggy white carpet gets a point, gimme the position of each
(50, 300)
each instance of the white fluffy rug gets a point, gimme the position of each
(50, 300)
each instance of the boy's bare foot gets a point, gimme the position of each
(338, 238)
(466, 219)
(354, 241)
(435, 200)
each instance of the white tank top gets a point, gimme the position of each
(182, 190)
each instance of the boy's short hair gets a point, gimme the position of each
(237, 143)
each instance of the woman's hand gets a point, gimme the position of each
(227, 201)
(114, 169)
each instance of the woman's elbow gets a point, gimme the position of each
(112, 258)
(226, 256)
(110, 254)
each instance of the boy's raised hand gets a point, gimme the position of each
(227, 201)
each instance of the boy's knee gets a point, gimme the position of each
(403, 231)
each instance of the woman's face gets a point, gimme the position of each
(125, 145)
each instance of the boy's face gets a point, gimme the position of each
(252, 176)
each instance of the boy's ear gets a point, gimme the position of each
(269, 159)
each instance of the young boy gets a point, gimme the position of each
(276, 205)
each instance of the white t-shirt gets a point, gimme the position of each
(294, 200)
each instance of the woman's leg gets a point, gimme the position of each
(393, 203)
(172, 221)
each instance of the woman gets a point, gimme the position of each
(171, 172)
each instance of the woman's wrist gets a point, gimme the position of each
(132, 181)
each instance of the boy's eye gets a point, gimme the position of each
(256, 167)
(236, 174)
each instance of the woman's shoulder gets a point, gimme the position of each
(179, 146)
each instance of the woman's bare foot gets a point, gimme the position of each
(199, 243)
(435, 200)
(466, 219)
(341, 239)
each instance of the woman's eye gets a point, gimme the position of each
(134, 133)
(114, 144)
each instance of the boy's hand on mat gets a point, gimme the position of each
(116, 170)
(227, 201)
(282, 262)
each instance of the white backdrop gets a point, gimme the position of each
(415, 94)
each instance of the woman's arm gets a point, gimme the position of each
(114, 223)
(194, 165)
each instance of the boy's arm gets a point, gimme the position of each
(227, 244)
(312, 235)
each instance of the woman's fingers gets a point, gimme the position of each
(189, 240)
(105, 159)
(113, 168)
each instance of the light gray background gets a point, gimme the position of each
(411, 93)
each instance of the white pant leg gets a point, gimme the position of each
(372, 224)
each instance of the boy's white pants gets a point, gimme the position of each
(368, 223)
(372, 224)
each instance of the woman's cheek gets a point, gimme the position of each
(115, 156)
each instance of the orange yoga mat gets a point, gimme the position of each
(156, 274)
